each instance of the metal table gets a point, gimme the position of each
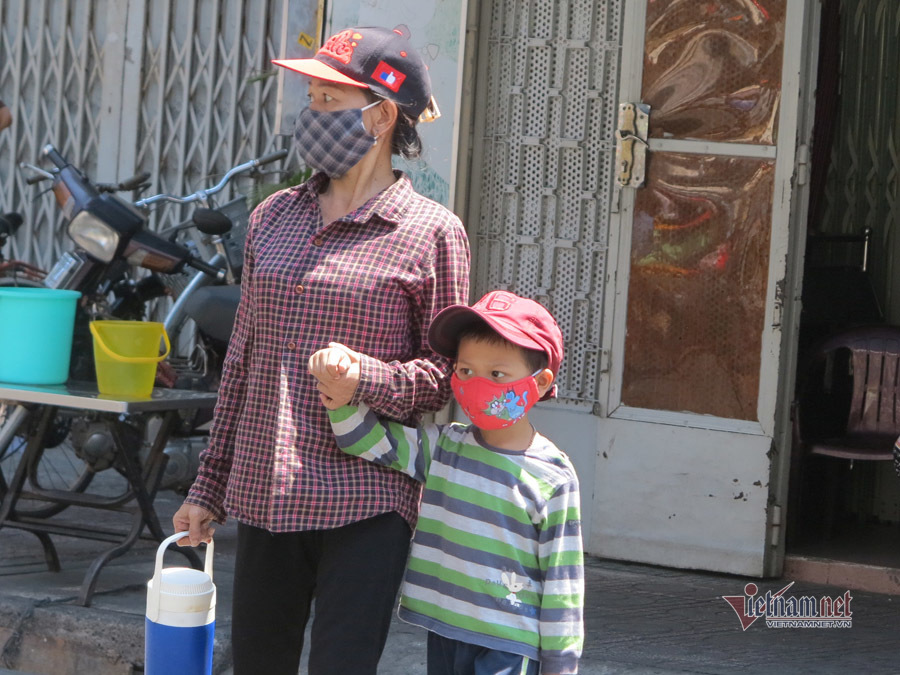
(143, 483)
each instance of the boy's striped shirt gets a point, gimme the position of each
(497, 558)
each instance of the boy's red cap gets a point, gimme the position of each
(522, 321)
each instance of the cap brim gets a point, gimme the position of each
(443, 334)
(444, 330)
(319, 70)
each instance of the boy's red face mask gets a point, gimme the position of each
(495, 405)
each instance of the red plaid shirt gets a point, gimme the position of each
(373, 281)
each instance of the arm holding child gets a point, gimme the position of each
(337, 370)
(358, 430)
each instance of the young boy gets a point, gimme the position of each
(496, 568)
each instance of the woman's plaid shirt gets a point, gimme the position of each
(373, 281)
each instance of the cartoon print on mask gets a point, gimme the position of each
(508, 407)
(495, 405)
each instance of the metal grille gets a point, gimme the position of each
(174, 87)
(206, 102)
(547, 155)
(50, 77)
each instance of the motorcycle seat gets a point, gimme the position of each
(213, 308)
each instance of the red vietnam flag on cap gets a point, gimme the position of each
(389, 77)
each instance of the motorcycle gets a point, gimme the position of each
(111, 240)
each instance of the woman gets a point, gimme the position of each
(355, 256)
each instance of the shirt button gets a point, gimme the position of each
(299, 288)
(318, 241)
(291, 346)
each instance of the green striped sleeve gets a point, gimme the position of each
(360, 432)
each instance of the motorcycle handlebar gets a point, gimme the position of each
(203, 194)
(51, 153)
(216, 272)
(38, 173)
(134, 182)
(272, 157)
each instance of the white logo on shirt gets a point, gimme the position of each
(513, 585)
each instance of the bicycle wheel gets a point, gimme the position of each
(58, 465)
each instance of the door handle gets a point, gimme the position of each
(631, 144)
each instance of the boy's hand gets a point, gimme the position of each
(337, 370)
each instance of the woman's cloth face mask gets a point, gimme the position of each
(495, 405)
(333, 142)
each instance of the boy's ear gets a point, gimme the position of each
(544, 381)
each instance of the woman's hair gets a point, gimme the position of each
(405, 141)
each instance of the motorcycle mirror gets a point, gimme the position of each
(9, 223)
(212, 222)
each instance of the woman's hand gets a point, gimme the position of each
(337, 370)
(196, 522)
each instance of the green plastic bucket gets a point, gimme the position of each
(126, 354)
(36, 326)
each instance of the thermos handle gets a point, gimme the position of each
(157, 570)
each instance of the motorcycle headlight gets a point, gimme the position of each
(94, 236)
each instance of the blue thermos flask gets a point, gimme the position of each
(181, 617)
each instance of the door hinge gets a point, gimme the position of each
(775, 527)
(778, 310)
(802, 164)
(604, 361)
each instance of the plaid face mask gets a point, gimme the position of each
(333, 142)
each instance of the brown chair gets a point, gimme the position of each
(847, 404)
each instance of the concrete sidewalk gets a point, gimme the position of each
(639, 619)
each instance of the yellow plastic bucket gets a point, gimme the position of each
(126, 354)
